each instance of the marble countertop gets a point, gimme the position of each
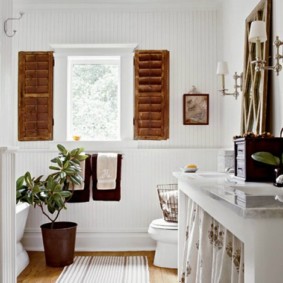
(259, 196)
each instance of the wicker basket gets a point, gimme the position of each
(168, 199)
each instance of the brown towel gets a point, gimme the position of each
(106, 195)
(83, 195)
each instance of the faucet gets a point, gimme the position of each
(229, 175)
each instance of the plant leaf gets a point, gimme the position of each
(266, 157)
(28, 178)
(20, 182)
(54, 168)
(62, 149)
(75, 180)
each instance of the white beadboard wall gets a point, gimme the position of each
(192, 37)
(7, 166)
(142, 170)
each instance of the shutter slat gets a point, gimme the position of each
(37, 82)
(150, 65)
(150, 88)
(150, 115)
(150, 80)
(152, 94)
(150, 100)
(154, 134)
(35, 96)
(149, 72)
(150, 108)
(37, 74)
(37, 90)
(37, 65)
(152, 56)
(150, 124)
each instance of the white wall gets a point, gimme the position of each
(194, 38)
(7, 196)
(6, 95)
(191, 34)
(142, 170)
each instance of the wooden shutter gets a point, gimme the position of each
(35, 96)
(151, 95)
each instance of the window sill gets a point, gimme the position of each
(99, 145)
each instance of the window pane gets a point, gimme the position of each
(95, 107)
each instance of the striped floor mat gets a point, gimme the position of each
(106, 269)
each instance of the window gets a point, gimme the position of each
(96, 107)
(94, 95)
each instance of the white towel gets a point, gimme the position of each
(106, 171)
(82, 173)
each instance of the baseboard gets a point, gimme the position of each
(90, 241)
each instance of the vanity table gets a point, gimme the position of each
(259, 228)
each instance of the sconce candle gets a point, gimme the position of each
(258, 35)
(222, 70)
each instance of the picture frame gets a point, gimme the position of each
(195, 109)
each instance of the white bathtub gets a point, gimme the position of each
(22, 259)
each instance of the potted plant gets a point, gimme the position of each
(270, 159)
(50, 194)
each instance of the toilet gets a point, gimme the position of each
(166, 236)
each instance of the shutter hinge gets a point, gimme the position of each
(53, 62)
(133, 121)
(52, 121)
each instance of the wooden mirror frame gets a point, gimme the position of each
(255, 84)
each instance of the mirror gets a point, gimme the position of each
(255, 84)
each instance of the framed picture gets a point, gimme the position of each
(195, 109)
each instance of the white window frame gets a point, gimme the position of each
(61, 54)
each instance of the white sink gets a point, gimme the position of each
(257, 190)
(257, 195)
(243, 194)
(211, 175)
(248, 195)
(224, 191)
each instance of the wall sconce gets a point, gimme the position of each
(258, 35)
(222, 70)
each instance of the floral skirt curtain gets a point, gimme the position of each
(211, 253)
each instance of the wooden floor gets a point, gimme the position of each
(38, 272)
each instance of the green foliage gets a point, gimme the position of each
(95, 109)
(53, 191)
(267, 158)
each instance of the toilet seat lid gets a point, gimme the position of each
(162, 224)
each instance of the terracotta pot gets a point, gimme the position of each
(59, 243)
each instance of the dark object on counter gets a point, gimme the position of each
(248, 169)
(253, 135)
